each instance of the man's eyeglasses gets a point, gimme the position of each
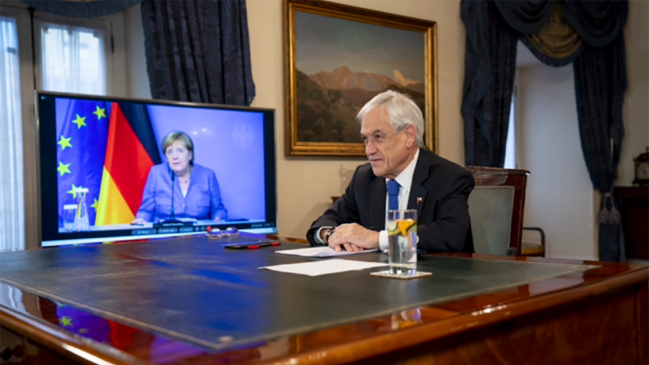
(226, 233)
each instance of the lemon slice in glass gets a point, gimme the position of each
(403, 225)
(392, 227)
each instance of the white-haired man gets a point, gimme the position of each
(401, 174)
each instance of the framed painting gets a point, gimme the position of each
(338, 57)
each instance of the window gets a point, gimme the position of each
(12, 210)
(72, 55)
(510, 147)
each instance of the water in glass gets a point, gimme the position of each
(69, 214)
(81, 221)
(402, 240)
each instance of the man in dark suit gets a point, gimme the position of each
(401, 174)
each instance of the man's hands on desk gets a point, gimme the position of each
(353, 238)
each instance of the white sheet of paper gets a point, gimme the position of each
(324, 251)
(317, 268)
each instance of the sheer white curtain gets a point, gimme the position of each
(72, 59)
(12, 208)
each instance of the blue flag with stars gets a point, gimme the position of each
(82, 134)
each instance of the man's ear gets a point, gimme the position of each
(411, 135)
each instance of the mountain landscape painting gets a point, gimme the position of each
(340, 64)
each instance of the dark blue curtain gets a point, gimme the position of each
(600, 83)
(599, 62)
(490, 67)
(599, 108)
(198, 51)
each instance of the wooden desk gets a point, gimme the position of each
(598, 316)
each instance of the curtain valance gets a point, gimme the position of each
(557, 43)
(81, 9)
(598, 22)
(556, 31)
(526, 16)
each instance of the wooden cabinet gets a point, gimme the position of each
(633, 202)
(35, 354)
(12, 347)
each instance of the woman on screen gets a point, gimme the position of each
(195, 188)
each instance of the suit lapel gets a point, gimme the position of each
(417, 192)
(377, 204)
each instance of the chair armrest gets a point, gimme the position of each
(538, 229)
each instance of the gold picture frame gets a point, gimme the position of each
(345, 56)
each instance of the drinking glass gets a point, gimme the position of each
(81, 222)
(402, 241)
(69, 213)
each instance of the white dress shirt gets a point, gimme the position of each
(405, 183)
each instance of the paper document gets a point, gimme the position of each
(324, 251)
(187, 219)
(317, 268)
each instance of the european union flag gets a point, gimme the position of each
(82, 134)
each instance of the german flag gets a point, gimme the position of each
(131, 151)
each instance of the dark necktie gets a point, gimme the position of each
(393, 195)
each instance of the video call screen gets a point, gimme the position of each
(106, 177)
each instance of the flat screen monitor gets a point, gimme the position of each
(114, 169)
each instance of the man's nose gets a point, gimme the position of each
(370, 148)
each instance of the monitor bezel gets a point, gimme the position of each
(47, 142)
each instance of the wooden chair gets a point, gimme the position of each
(499, 195)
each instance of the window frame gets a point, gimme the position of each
(97, 24)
